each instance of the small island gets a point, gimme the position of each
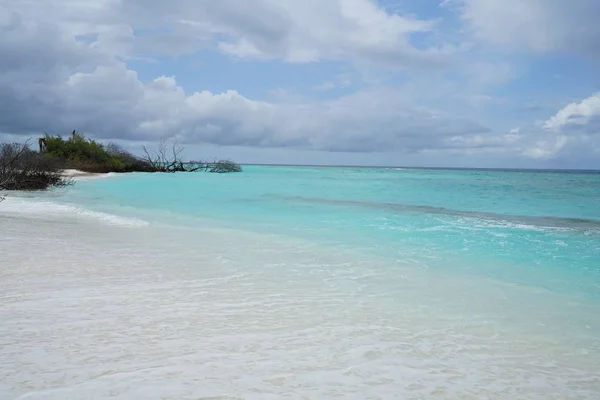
(23, 168)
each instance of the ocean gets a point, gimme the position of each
(304, 283)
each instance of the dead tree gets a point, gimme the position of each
(163, 160)
(24, 169)
(225, 166)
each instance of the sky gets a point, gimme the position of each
(457, 83)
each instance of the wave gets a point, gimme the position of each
(43, 209)
(517, 221)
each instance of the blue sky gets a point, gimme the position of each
(475, 83)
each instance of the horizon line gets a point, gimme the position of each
(413, 167)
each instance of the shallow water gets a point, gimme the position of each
(304, 283)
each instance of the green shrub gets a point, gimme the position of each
(81, 153)
(76, 148)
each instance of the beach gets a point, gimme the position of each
(77, 174)
(301, 283)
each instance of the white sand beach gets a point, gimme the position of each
(99, 307)
(78, 175)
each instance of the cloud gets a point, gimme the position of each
(111, 102)
(576, 128)
(488, 74)
(582, 117)
(51, 80)
(175, 42)
(294, 31)
(545, 148)
(537, 25)
(573, 131)
(65, 67)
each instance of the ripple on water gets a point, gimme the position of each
(189, 314)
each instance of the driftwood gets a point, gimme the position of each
(224, 166)
(164, 160)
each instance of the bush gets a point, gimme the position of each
(81, 153)
(24, 169)
(76, 148)
(124, 161)
(88, 155)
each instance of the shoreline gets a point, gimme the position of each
(76, 174)
(164, 307)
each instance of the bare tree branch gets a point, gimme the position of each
(164, 159)
(24, 169)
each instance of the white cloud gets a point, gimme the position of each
(295, 31)
(574, 130)
(111, 102)
(546, 148)
(583, 114)
(62, 68)
(538, 25)
(51, 81)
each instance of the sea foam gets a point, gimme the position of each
(34, 208)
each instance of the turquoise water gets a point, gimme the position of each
(304, 282)
(538, 228)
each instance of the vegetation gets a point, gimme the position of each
(81, 153)
(22, 168)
